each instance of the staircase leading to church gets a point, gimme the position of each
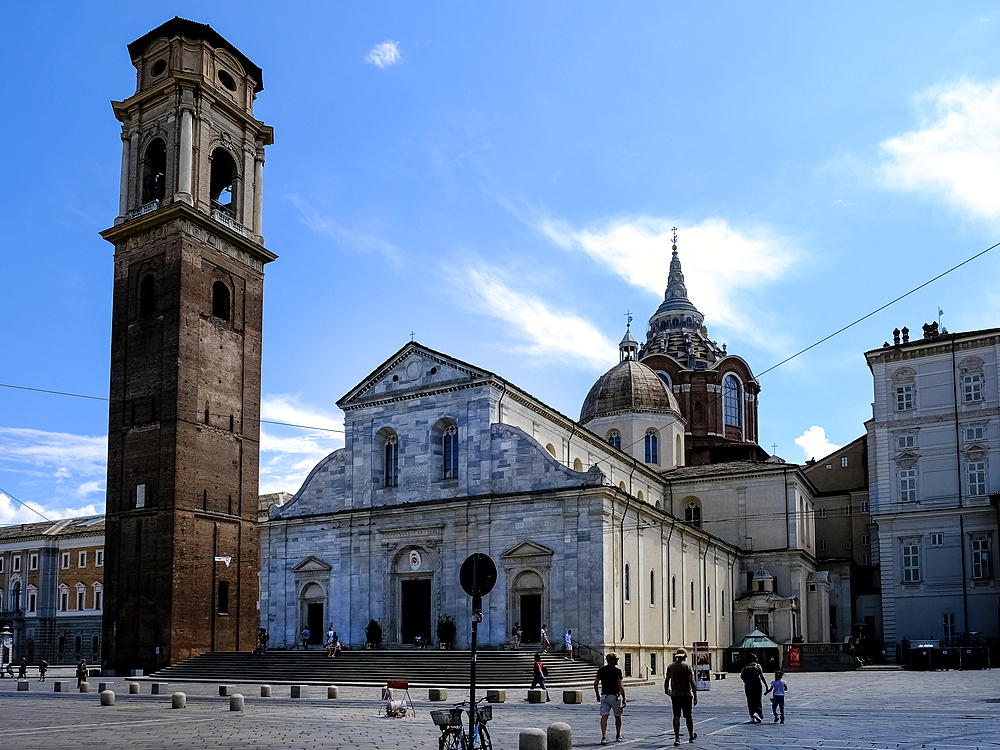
(422, 668)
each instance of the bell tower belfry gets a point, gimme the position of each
(181, 548)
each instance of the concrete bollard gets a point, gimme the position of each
(226, 689)
(332, 691)
(107, 697)
(536, 696)
(496, 696)
(158, 688)
(437, 694)
(178, 700)
(22, 686)
(297, 691)
(57, 686)
(133, 688)
(102, 686)
(572, 696)
(532, 739)
(265, 691)
(560, 736)
(84, 687)
(235, 702)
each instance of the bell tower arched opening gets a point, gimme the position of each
(223, 182)
(154, 171)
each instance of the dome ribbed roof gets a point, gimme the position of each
(627, 387)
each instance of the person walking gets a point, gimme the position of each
(545, 638)
(43, 667)
(611, 695)
(683, 691)
(22, 670)
(538, 674)
(569, 644)
(81, 673)
(515, 637)
(778, 689)
(306, 635)
(753, 684)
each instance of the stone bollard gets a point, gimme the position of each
(437, 694)
(496, 696)
(133, 688)
(560, 736)
(102, 686)
(235, 702)
(57, 686)
(84, 687)
(226, 689)
(178, 700)
(22, 686)
(332, 691)
(536, 696)
(297, 691)
(265, 691)
(158, 688)
(572, 696)
(532, 739)
(107, 697)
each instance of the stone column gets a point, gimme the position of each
(185, 166)
(123, 196)
(258, 191)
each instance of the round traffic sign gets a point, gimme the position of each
(478, 575)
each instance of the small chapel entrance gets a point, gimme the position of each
(414, 609)
(531, 618)
(313, 601)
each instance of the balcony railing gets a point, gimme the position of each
(223, 216)
(144, 209)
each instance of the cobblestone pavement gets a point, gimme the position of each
(834, 711)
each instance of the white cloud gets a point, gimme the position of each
(724, 268)
(955, 151)
(57, 454)
(486, 290)
(385, 54)
(814, 443)
(365, 242)
(288, 454)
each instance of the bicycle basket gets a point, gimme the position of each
(484, 713)
(445, 718)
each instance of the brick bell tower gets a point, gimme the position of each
(182, 553)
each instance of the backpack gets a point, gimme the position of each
(750, 674)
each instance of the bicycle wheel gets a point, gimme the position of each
(452, 742)
(484, 738)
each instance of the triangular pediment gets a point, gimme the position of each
(526, 549)
(412, 369)
(311, 565)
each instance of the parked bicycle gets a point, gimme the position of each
(452, 723)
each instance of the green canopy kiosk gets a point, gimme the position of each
(768, 653)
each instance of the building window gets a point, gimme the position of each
(866, 559)
(977, 477)
(865, 506)
(15, 597)
(222, 182)
(82, 560)
(220, 300)
(628, 584)
(981, 559)
(628, 664)
(16, 563)
(821, 511)
(948, 628)
(848, 509)
(905, 441)
(147, 296)
(911, 563)
(692, 596)
(223, 597)
(65, 560)
(972, 386)
(692, 514)
(63, 599)
(615, 439)
(822, 545)
(904, 397)
(843, 462)
(81, 598)
(849, 546)
(975, 433)
(450, 440)
(1, 563)
(98, 598)
(652, 588)
(723, 600)
(392, 461)
(100, 558)
(673, 592)
(652, 663)
(937, 539)
(33, 561)
(866, 540)
(32, 601)
(731, 410)
(708, 598)
(762, 623)
(652, 454)
(907, 485)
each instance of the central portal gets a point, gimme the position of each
(531, 618)
(415, 609)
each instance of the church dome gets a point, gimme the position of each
(629, 386)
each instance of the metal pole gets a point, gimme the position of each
(477, 608)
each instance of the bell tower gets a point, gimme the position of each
(182, 553)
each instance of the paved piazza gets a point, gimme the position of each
(870, 710)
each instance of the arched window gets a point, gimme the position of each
(692, 514)
(577, 464)
(639, 494)
(392, 461)
(551, 449)
(154, 171)
(220, 300)
(652, 453)
(615, 439)
(223, 182)
(665, 378)
(628, 584)
(147, 296)
(652, 588)
(621, 485)
(450, 445)
(732, 411)
(15, 597)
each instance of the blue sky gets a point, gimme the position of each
(501, 180)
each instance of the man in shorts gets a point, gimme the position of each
(683, 691)
(611, 694)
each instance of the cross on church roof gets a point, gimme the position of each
(412, 334)
(674, 230)
(628, 314)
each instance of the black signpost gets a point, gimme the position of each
(478, 576)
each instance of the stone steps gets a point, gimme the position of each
(494, 669)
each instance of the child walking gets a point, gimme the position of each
(778, 688)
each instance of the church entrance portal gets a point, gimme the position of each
(531, 618)
(315, 620)
(415, 609)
